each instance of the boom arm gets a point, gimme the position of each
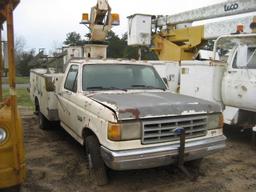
(178, 40)
(174, 37)
(181, 43)
(227, 8)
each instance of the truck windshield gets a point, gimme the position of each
(98, 77)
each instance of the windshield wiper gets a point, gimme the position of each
(95, 88)
(116, 88)
(104, 88)
(147, 87)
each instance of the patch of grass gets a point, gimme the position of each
(23, 98)
(22, 80)
(19, 80)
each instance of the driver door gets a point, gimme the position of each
(239, 82)
(67, 98)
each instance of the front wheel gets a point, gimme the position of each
(95, 161)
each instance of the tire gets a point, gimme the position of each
(44, 123)
(95, 161)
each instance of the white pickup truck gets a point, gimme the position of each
(123, 114)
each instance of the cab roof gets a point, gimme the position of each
(109, 61)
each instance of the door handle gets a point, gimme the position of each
(230, 72)
(68, 93)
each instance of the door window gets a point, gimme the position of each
(234, 65)
(71, 80)
(246, 59)
(251, 58)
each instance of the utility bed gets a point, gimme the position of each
(43, 88)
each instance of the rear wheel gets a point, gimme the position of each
(95, 162)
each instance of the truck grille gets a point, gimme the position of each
(163, 130)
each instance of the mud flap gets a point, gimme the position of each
(181, 156)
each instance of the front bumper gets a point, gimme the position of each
(160, 155)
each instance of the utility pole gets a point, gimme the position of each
(1, 66)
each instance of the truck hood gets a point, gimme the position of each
(153, 104)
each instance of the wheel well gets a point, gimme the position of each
(36, 104)
(87, 132)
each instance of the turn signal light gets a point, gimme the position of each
(114, 132)
(115, 19)
(85, 18)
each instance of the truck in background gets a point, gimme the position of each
(229, 81)
(227, 76)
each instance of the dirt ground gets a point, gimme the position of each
(56, 163)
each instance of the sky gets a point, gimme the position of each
(45, 23)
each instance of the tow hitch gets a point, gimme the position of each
(181, 156)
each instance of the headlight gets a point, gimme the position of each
(3, 135)
(215, 121)
(124, 131)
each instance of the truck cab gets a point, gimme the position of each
(239, 80)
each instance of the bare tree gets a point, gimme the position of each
(19, 44)
(55, 48)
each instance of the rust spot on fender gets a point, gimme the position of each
(134, 112)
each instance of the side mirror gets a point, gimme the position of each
(165, 80)
(85, 19)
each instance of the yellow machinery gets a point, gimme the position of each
(178, 40)
(12, 160)
(175, 38)
(170, 45)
